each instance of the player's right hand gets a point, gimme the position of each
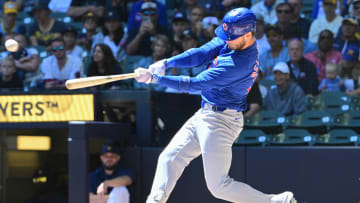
(143, 75)
(158, 67)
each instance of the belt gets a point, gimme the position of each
(204, 104)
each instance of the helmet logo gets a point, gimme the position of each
(225, 27)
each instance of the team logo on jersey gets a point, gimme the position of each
(225, 27)
(138, 17)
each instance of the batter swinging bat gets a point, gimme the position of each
(96, 80)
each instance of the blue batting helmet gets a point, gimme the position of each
(236, 23)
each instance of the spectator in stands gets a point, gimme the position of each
(325, 54)
(230, 4)
(330, 21)
(301, 70)
(139, 40)
(27, 60)
(80, 7)
(277, 53)
(19, 3)
(121, 6)
(318, 10)
(90, 23)
(254, 100)
(355, 10)
(284, 14)
(332, 82)
(196, 16)
(260, 36)
(266, 9)
(349, 68)
(109, 182)
(9, 24)
(136, 15)
(351, 8)
(179, 24)
(347, 34)
(9, 78)
(114, 35)
(45, 29)
(297, 33)
(209, 24)
(286, 97)
(59, 67)
(69, 35)
(103, 62)
(302, 23)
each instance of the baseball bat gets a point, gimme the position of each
(96, 80)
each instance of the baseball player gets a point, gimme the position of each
(211, 131)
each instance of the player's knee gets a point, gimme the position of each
(216, 188)
(119, 194)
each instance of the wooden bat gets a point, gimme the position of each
(96, 80)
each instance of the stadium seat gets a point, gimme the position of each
(314, 103)
(292, 137)
(338, 137)
(251, 137)
(316, 122)
(335, 102)
(355, 103)
(271, 122)
(349, 120)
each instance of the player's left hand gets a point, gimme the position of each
(158, 67)
(143, 75)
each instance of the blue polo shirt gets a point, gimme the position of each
(99, 176)
(228, 79)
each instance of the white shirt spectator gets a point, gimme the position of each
(76, 52)
(321, 24)
(72, 69)
(268, 15)
(117, 50)
(59, 5)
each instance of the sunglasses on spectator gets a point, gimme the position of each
(356, 7)
(328, 4)
(60, 48)
(282, 11)
(149, 13)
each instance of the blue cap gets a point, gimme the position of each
(41, 4)
(351, 53)
(236, 23)
(112, 147)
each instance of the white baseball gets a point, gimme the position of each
(11, 45)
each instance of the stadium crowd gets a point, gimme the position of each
(301, 55)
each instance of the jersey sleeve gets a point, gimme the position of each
(197, 56)
(217, 77)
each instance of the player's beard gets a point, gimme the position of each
(110, 168)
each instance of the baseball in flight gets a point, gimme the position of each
(11, 45)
